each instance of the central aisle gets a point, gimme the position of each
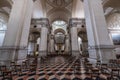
(63, 68)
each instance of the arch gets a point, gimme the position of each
(113, 24)
(111, 3)
(59, 30)
(5, 3)
(59, 26)
(83, 35)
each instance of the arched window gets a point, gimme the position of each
(113, 23)
(59, 24)
(3, 29)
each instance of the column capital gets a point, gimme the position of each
(44, 22)
(74, 22)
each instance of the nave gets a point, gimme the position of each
(43, 39)
(61, 67)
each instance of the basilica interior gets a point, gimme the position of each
(59, 39)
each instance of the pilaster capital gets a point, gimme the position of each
(74, 22)
(44, 22)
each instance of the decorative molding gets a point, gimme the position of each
(73, 22)
(44, 22)
(13, 48)
(101, 47)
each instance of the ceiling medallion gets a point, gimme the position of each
(59, 3)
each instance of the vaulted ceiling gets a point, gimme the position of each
(112, 3)
(59, 9)
(111, 6)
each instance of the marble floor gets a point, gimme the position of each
(61, 68)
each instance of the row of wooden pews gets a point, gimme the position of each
(15, 70)
(109, 71)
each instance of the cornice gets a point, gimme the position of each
(44, 22)
(73, 22)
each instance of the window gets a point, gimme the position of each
(113, 23)
(59, 24)
(3, 29)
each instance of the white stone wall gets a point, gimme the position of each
(78, 9)
(38, 10)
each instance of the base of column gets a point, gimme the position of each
(38, 64)
(102, 54)
(106, 55)
(42, 53)
(22, 55)
(5, 62)
(93, 57)
(6, 55)
(76, 53)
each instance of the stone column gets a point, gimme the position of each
(100, 44)
(43, 25)
(52, 44)
(67, 44)
(84, 46)
(25, 31)
(44, 35)
(31, 48)
(74, 38)
(18, 28)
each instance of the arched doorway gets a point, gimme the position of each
(83, 41)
